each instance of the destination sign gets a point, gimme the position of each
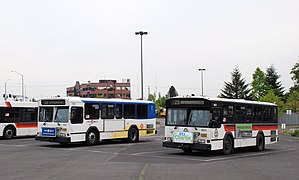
(53, 102)
(186, 102)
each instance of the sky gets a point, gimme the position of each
(54, 43)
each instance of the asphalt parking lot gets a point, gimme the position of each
(25, 158)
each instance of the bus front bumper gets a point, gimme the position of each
(54, 139)
(202, 147)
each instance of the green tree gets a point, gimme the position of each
(172, 92)
(259, 84)
(273, 98)
(237, 88)
(295, 77)
(272, 78)
(160, 102)
(293, 101)
(152, 97)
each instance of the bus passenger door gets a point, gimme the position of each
(112, 117)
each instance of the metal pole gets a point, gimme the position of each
(141, 70)
(141, 33)
(201, 80)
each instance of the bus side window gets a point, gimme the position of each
(76, 115)
(274, 118)
(141, 111)
(228, 113)
(267, 114)
(12, 115)
(248, 114)
(240, 113)
(129, 111)
(216, 117)
(257, 114)
(92, 111)
(119, 111)
(107, 111)
(29, 115)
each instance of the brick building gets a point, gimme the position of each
(101, 89)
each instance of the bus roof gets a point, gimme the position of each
(225, 100)
(17, 104)
(98, 100)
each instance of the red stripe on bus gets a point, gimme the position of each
(229, 127)
(8, 104)
(261, 127)
(26, 125)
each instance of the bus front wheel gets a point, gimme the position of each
(92, 137)
(8, 133)
(227, 145)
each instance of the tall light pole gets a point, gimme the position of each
(202, 70)
(5, 96)
(23, 99)
(141, 33)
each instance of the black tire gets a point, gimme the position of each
(8, 133)
(227, 145)
(260, 142)
(92, 137)
(133, 135)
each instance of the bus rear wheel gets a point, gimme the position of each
(8, 133)
(133, 135)
(227, 145)
(260, 143)
(92, 137)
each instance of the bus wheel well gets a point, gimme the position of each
(9, 132)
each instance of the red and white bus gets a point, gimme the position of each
(18, 119)
(200, 123)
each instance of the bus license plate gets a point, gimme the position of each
(183, 137)
(49, 132)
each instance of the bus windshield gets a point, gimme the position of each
(46, 114)
(62, 114)
(188, 117)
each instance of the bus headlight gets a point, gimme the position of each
(201, 140)
(62, 134)
(38, 134)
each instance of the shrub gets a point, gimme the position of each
(295, 133)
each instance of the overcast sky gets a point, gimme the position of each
(56, 43)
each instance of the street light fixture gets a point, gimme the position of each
(23, 99)
(202, 70)
(141, 33)
(5, 94)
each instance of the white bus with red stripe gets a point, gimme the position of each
(201, 123)
(18, 119)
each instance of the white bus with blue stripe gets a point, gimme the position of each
(90, 120)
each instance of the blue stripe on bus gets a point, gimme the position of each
(114, 102)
